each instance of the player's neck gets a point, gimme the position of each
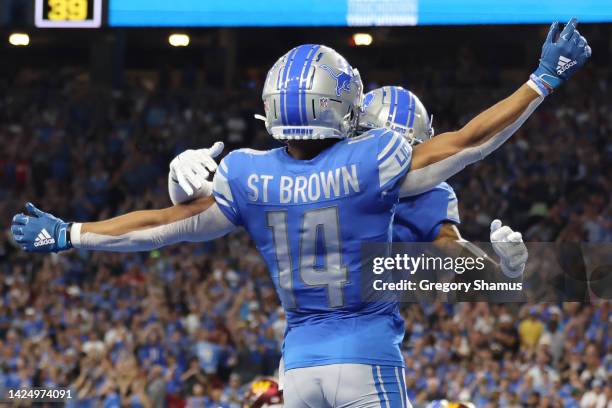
(308, 149)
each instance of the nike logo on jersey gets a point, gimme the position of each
(564, 64)
(320, 186)
(43, 238)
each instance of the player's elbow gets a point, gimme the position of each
(448, 233)
(197, 206)
(183, 211)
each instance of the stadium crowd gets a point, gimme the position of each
(193, 324)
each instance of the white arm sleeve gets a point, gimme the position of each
(424, 179)
(177, 194)
(205, 226)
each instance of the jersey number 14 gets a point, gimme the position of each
(319, 228)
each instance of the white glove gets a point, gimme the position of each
(510, 248)
(191, 170)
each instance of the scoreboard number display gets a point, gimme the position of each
(68, 13)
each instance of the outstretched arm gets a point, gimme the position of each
(199, 220)
(445, 155)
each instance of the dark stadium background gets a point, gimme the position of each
(89, 121)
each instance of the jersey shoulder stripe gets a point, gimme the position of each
(222, 190)
(394, 159)
(390, 143)
(221, 183)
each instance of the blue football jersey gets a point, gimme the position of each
(308, 219)
(419, 218)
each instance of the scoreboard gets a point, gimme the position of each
(68, 13)
(241, 13)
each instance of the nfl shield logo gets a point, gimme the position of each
(323, 102)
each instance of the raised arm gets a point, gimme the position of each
(198, 220)
(445, 155)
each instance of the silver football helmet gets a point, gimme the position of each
(398, 109)
(312, 92)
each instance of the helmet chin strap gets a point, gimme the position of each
(431, 129)
(257, 116)
(260, 117)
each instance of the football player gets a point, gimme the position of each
(310, 205)
(263, 392)
(431, 216)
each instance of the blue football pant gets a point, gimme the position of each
(345, 386)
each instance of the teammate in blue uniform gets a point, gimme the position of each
(309, 206)
(432, 216)
(418, 218)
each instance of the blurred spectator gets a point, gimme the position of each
(530, 329)
(156, 388)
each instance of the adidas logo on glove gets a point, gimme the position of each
(43, 238)
(564, 64)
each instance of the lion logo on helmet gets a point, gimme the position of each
(343, 80)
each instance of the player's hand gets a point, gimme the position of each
(510, 248)
(192, 168)
(39, 231)
(562, 56)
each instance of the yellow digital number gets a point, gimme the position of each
(74, 10)
(77, 9)
(57, 10)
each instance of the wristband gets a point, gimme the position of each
(539, 85)
(75, 234)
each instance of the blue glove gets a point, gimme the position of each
(40, 231)
(561, 57)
